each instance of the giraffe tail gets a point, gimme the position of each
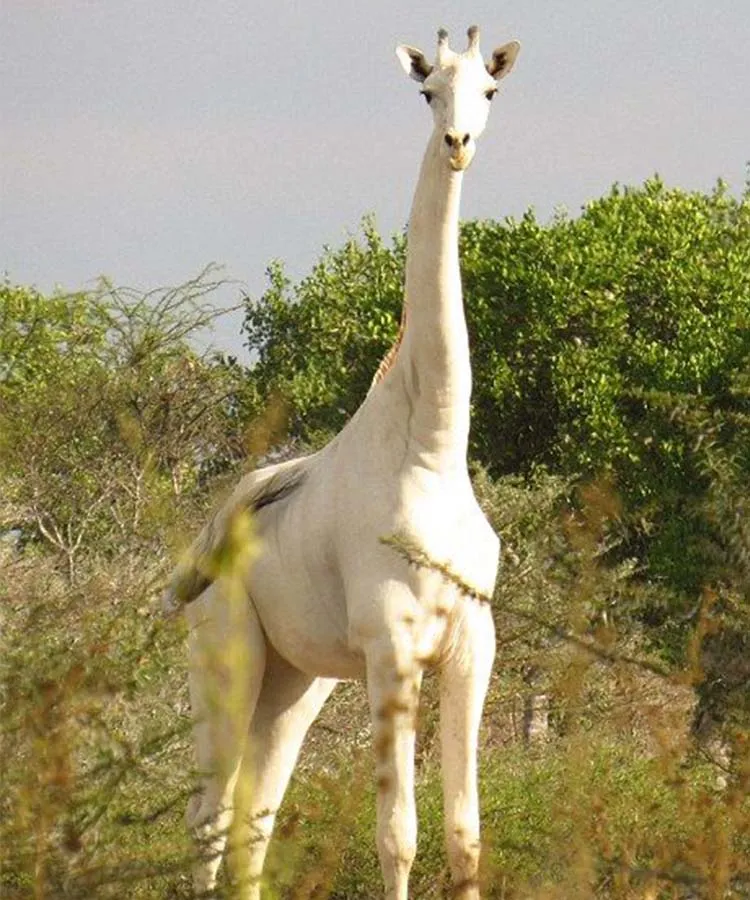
(229, 530)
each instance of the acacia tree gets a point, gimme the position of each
(108, 416)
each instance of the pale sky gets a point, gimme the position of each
(143, 140)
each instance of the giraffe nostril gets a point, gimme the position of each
(455, 140)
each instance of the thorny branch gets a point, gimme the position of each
(415, 555)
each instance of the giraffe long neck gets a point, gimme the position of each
(434, 348)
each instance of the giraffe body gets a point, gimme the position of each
(326, 599)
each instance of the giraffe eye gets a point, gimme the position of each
(427, 96)
(490, 93)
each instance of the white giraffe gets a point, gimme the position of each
(326, 599)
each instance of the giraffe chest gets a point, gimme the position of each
(453, 533)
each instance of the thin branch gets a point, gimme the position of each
(410, 550)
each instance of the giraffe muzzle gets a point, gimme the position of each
(460, 147)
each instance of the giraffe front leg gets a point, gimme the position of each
(463, 686)
(393, 682)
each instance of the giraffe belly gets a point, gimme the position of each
(304, 617)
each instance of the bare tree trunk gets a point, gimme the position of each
(535, 709)
(535, 718)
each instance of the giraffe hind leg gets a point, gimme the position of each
(288, 703)
(226, 662)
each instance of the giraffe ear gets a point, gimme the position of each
(414, 62)
(503, 59)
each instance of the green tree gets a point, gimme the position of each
(605, 346)
(318, 343)
(648, 290)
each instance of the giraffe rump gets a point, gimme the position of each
(257, 490)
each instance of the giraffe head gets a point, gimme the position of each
(459, 88)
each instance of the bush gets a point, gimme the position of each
(107, 414)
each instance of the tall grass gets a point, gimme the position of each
(618, 801)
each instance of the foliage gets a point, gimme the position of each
(94, 733)
(648, 290)
(611, 346)
(318, 343)
(566, 823)
(40, 337)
